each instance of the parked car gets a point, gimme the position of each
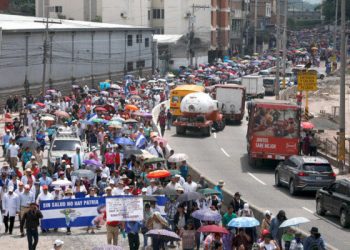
(336, 200)
(304, 173)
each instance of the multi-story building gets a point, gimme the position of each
(207, 20)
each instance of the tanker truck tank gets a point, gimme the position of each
(198, 103)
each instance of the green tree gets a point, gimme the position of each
(329, 10)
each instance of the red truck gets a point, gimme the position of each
(273, 130)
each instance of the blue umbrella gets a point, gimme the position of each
(24, 139)
(206, 215)
(124, 141)
(243, 222)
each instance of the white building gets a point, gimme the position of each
(78, 51)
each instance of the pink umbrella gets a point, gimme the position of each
(307, 125)
(160, 140)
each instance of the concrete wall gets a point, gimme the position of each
(66, 63)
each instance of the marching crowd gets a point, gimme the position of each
(122, 157)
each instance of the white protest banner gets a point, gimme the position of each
(125, 208)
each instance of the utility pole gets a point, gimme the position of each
(278, 39)
(191, 21)
(255, 23)
(284, 59)
(341, 156)
(45, 45)
(335, 26)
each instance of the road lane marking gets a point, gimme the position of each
(308, 210)
(223, 150)
(214, 135)
(257, 179)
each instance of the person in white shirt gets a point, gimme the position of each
(269, 243)
(189, 185)
(57, 194)
(152, 187)
(28, 178)
(119, 190)
(174, 183)
(44, 195)
(105, 170)
(20, 188)
(25, 199)
(13, 150)
(10, 205)
(77, 159)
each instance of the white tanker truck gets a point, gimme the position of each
(199, 113)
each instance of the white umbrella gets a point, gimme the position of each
(178, 157)
(47, 118)
(61, 183)
(294, 221)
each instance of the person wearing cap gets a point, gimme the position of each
(218, 188)
(108, 192)
(102, 184)
(127, 190)
(152, 187)
(44, 195)
(314, 240)
(31, 220)
(68, 172)
(10, 206)
(57, 193)
(119, 189)
(174, 182)
(246, 211)
(237, 202)
(30, 162)
(77, 159)
(25, 198)
(44, 179)
(28, 177)
(266, 222)
(13, 151)
(58, 244)
(269, 243)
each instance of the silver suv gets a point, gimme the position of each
(304, 173)
(63, 143)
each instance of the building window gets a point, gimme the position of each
(158, 13)
(139, 38)
(129, 40)
(236, 25)
(159, 31)
(149, 15)
(140, 64)
(268, 10)
(146, 42)
(130, 66)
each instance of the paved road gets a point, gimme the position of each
(223, 156)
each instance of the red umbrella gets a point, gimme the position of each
(102, 109)
(307, 125)
(158, 174)
(40, 104)
(213, 229)
(131, 107)
(8, 120)
(67, 99)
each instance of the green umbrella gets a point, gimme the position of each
(174, 172)
(154, 160)
(208, 191)
(98, 120)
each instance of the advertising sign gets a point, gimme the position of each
(307, 80)
(124, 208)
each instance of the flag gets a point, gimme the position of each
(141, 141)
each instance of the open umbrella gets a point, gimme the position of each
(149, 198)
(131, 107)
(47, 118)
(128, 121)
(143, 114)
(189, 196)
(178, 157)
(83, 173)
(164, 235)
(160, 140)
(40, 104)
(92, 163)
(206, 215)
(98, 120)
(61, 183)
(213, 229)
(101, 109)
(294, 222)
(118, 119)
(61, 113)
(158, 174)
(208, 191)
(154, 160)
(244, 222)
(307, 125)
(166, 191)
(115, 125)
(174, 172)
(124, 141)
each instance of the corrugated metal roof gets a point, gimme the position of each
(167, 39)
(15, 23)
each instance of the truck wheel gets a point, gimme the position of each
(344, 218)
(251, 161)
(319, 209)
(206, 131)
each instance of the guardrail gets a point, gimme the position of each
(228, 195)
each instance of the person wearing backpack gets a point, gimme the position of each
(314, 241)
